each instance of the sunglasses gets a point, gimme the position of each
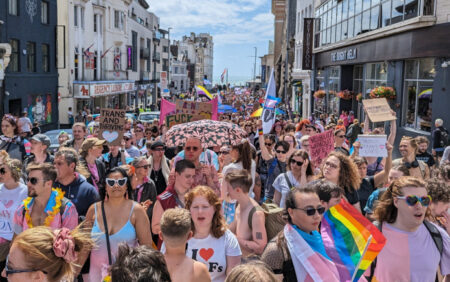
(268, 144)
(33, 180)
(126, 139)
(138, 131)
(412, 200)
(224, 153)
(158, 149)
(193, 149)
(280, 152)
(9, 270)
(340, 136)
(312, 211)
(2, 171)
(297, 162)
(111, 181)
(143, 166)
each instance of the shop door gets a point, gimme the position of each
(15, 106)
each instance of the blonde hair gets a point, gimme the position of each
(37, 245)
(253, 271)
(176, 223)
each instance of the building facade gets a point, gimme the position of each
(179, 70)
(31, 79)
(360, 45)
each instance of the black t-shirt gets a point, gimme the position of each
(365, 189)
(160, 181)
(426, 158)
(351, 195)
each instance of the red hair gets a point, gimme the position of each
(301, 124)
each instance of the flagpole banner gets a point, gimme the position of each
(268, 114)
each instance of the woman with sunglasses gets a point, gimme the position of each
(12, 193)
(339, 142)
(299, 173)
(114, 220)
(159, 165)
(43, 254)
(90, 152)
(144, 190)
(411, 252)
(342, 171)
(304, 212)
(10, 141)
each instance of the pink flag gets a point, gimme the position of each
(168, 108)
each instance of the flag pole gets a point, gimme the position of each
(227, 80)
(362, 256)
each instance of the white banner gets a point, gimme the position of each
(372, 145)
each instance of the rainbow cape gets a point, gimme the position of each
(351, 240)
(202, 91)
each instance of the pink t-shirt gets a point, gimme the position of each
(411, 256)
(94, 173)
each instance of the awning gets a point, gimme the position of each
(92, 89)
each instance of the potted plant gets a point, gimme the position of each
(345, 94)
(383, 92)
(319, 94)
(359, 97)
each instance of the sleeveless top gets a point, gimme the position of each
(99, 255)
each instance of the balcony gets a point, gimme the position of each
(156, 57)
(145, 53)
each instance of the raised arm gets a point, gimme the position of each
(265, 154)
(393, 130)
(382, 176)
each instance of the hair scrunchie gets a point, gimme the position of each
(64, 245)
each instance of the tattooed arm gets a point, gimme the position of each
(259, 236)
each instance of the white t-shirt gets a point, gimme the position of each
(25, 124)
(213, 253)
(10, 200)
(238, 165)
(280, 184)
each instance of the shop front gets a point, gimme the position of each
(413, 67)
(102, 94)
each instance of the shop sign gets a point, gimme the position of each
(308, 25)
(163, 80)
(102, 89)
(349, 54)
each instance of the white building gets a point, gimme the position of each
(95, 56)
(302, 78)
(178, 69)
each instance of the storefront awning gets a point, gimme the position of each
(92, 89)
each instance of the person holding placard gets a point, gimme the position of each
(408, 149)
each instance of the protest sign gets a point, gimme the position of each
(168, 108)
(372, 145)
(112, 126)
(320, 145)
(378, 110)
(187, 111)
(179, 118)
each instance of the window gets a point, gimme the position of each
(82, 17)
(419, 77)
(13, 7)
(44, 12)
(135, 50)
(119, 19)
(31, 56)
(95, 22)
(45, 51)
(76, 64)
(14, 64)
(376, 75)
(75, 15)
(333, 88)
(95, 66)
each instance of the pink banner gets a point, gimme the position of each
(168, 108)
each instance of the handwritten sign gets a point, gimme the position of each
(187, 111)
(175, 119)
(372, 145)
(112, 126)
(378, 110)
(320, 145)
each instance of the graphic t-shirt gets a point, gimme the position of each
(213, 253)
(9, 202)
(411, 256)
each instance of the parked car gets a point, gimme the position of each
(148, 116)
(53, 135)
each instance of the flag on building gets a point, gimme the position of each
(202, 91)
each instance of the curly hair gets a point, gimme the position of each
(301, 124)
(438, 190)
(348, 173)
(218, 225)
(385, 210)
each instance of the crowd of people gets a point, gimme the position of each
(144, 211)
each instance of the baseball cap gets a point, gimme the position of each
(157, 144)
(42, 138)
(127, 134)
(91, 142)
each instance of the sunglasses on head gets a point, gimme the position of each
(312, 211)
(120, 182)
(297, 162)
(33, 180)
(2, 171)
(193, 149)
(412, 200)
(280, 152)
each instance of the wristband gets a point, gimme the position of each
(260, 132)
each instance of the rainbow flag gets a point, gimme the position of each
(202, 91)
(351, 240)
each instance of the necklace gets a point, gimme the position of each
(52, 208)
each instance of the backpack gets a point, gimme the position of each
(274, 222)
(444, 142)
(435, 235)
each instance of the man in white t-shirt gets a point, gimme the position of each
(414, 248)
(25, 125)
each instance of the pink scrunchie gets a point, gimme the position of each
(64, 245)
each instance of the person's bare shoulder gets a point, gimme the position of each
(201, 273)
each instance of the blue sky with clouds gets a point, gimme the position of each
(237, 26)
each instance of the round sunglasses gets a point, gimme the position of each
(412, 200)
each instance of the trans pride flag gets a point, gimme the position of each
(351, 240)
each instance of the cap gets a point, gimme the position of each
(141, 126)
(156, 144)
(127, 134)
(91, 142)
(42, 138)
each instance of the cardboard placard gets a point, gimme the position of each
(112, 126)
(187, 111)
(175, 119)
(372, 145)
(378, 110)
(320, 145)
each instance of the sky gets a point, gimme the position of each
(237, 26)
